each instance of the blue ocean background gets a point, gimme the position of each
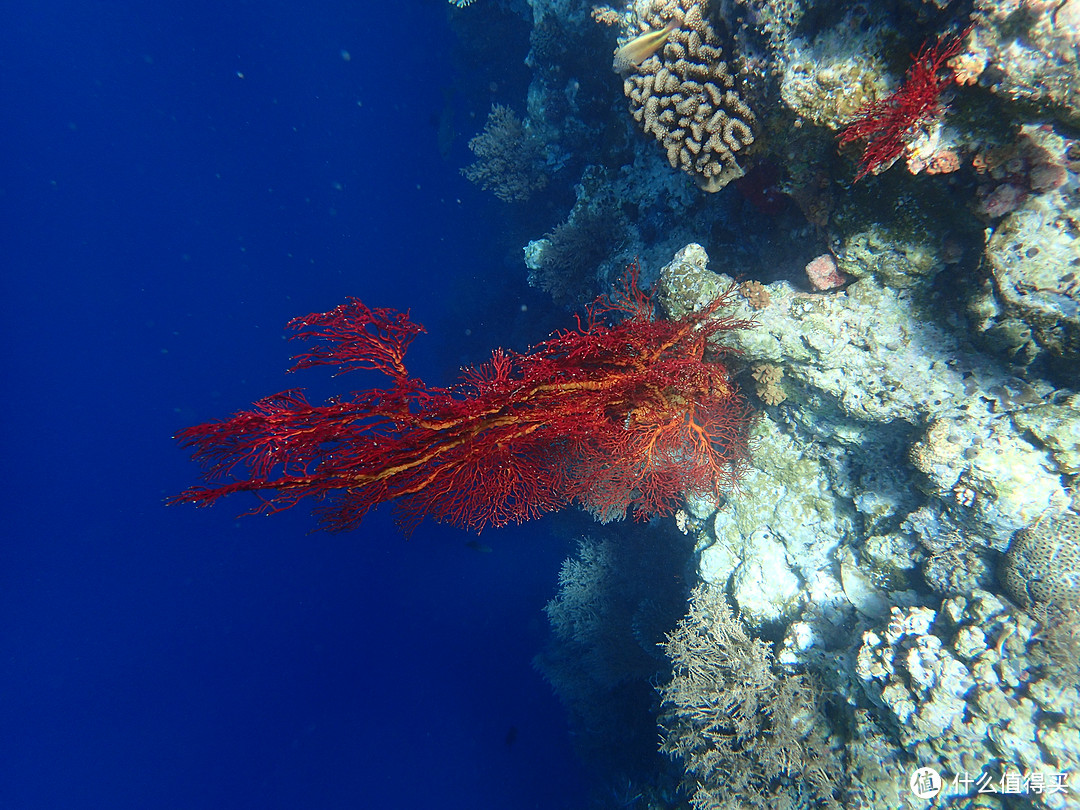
(180, 180)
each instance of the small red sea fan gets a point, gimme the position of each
(884, 124)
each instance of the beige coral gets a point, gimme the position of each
(606, 15)
(686, 96)
(768, 386)
(755, 294)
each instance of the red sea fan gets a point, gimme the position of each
(885, 124)
(616, 418)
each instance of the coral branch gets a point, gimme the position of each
(885, 125)
(617, 418)
(356, 337)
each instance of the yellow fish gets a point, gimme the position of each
(640, 48)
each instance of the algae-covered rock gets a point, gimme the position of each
(685, 283)
(895, 259)
(857, 354)
(783, 531)
(830, 80)
(991, 449)
(1034, 255)
(985, 468)
(764, 586)
(902, 238)
(1057, 428)
(1026, 52)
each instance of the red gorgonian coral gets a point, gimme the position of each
(613, 417)
(886, 125)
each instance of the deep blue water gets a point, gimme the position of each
(179, 181)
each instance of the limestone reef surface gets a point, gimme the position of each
(903, 493)
(907, 541)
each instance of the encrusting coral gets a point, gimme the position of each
(684, 94)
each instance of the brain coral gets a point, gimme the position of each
(1043, 563)
(684, 94)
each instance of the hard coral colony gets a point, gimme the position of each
(613, 417)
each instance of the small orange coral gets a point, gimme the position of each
(755, 294)
(943, 162)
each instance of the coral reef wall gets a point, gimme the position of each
(901, 556)
(902, 468)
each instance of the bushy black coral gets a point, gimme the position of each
(510, 158)
(574, 250)
(748, 734)
(616, 601)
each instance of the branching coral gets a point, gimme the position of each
(614, 417)
(617, 599)
(564, 262)
(749, 735)
(888, 125)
